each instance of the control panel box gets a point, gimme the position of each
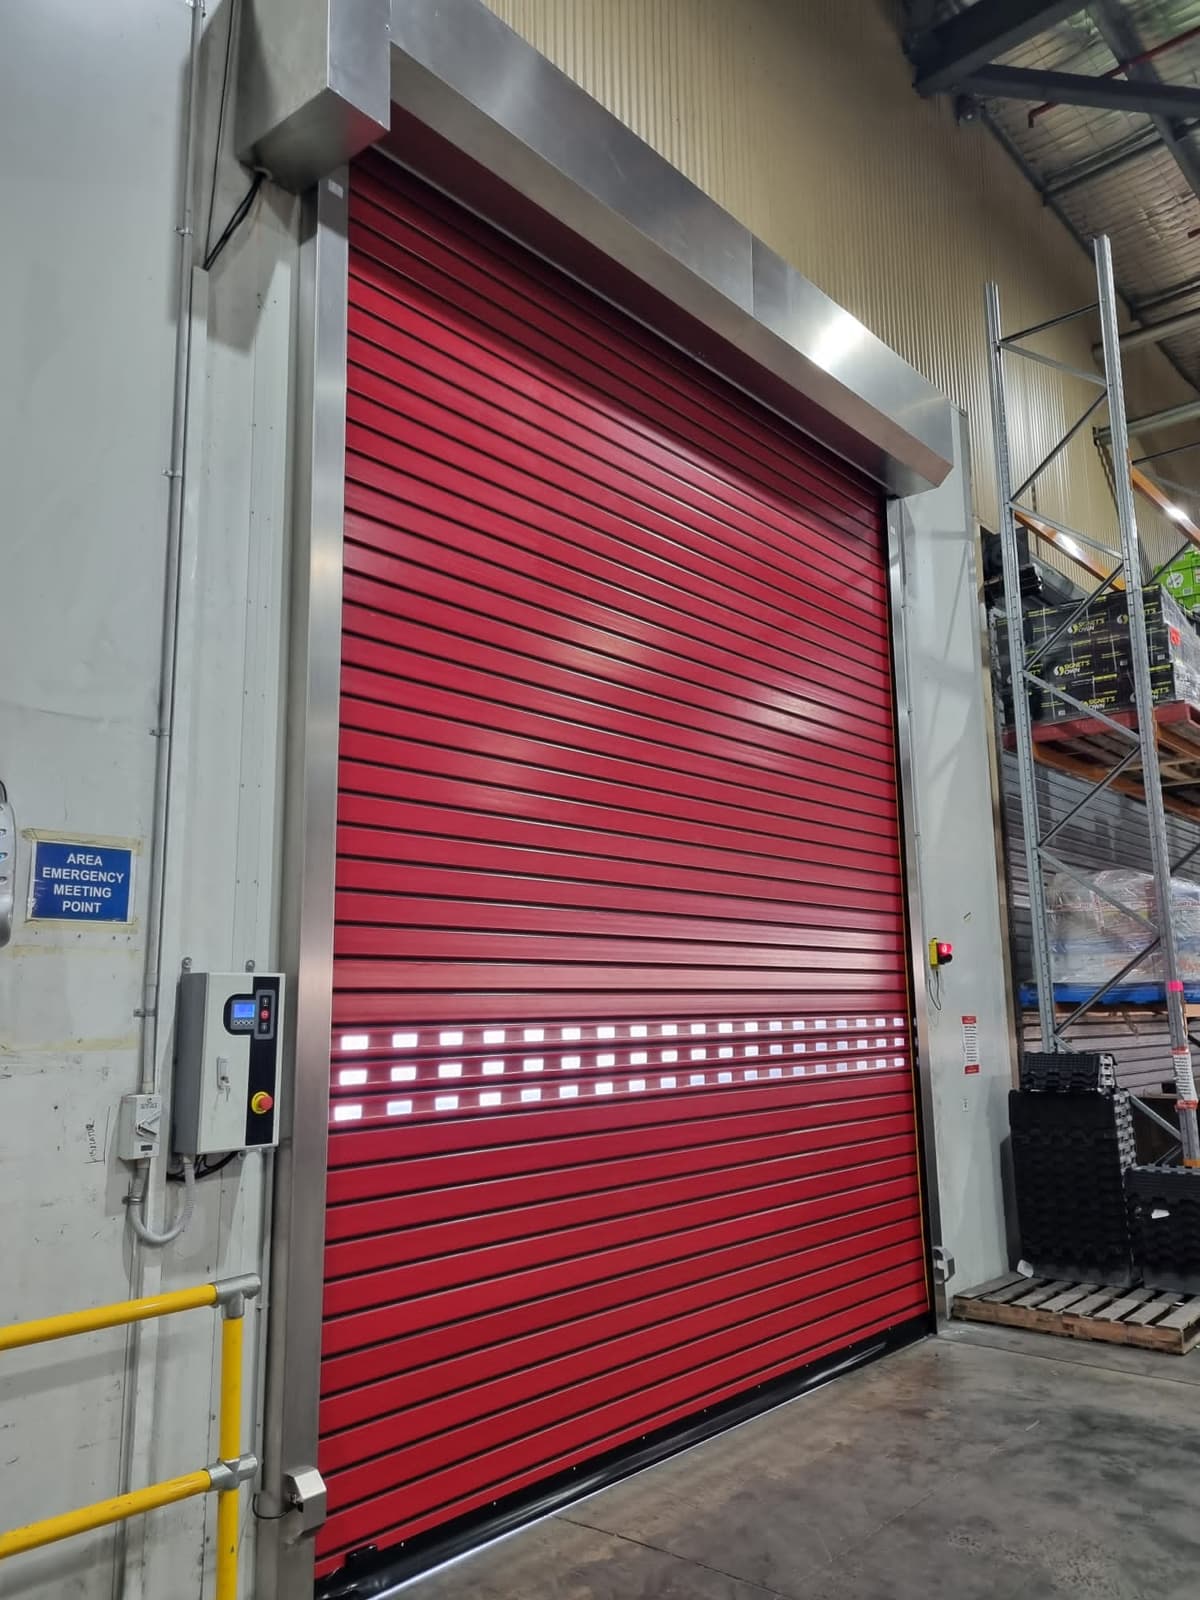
(228, 1034)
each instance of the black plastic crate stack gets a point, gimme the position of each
(1164, 1222)
(1072, 1141)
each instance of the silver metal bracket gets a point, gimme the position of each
(226, 1475)
(943, 1263)
(8, 867)
(306, 1497)
(245, 1286)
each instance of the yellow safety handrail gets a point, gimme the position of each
(223, 1477)
(69, 1323)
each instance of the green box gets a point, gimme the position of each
(1181, 579)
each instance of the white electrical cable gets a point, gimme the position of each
(179, 1227)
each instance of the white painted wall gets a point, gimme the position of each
(90, 112)
(956, 854)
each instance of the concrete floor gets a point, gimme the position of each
(981, 1463)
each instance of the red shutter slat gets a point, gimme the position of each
(622, 1112)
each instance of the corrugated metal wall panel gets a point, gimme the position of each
(801, 120)
(622, 1118)
(1110, 833)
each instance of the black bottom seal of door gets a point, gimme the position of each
(374, 1574)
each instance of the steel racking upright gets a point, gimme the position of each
(1140, 742)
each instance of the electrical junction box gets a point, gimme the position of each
(139, 1124)
(228, 1033)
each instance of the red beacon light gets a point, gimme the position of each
(941, 952)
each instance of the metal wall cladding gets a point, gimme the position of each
(1112, 832)
(801, 120)
(622, 1117)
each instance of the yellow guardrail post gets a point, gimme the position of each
(229, 1441)
(224, 1476)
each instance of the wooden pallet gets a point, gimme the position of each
(1143, 1317)
(1087, 748)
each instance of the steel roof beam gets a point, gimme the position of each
(1102, 162)
(1138, 96)
(1156, 332)
(1172, 417)
(1122, 38)
(1182, 290)
(945, 55)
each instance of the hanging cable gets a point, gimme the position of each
(241, 211)
(179, 1227)
(933, 987)
(219, 138)
(205, 1167)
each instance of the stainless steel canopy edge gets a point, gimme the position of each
(483, 115)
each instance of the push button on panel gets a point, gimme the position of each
(261, 1102)
(264, 1021)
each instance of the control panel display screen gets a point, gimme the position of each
(241, 1011)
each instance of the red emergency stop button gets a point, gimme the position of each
(261, 1102)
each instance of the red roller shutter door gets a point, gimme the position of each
(622, 1115)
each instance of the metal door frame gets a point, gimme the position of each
(782, 318)
(285, 1555)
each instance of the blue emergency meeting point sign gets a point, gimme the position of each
(80, 882)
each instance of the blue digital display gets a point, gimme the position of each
(241, 1011)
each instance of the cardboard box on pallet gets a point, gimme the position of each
(1091, 660)
(1181, 579)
